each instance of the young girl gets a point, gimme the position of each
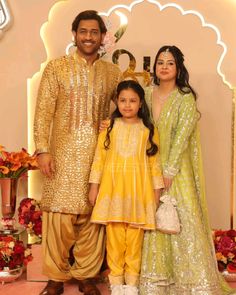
(124, 185)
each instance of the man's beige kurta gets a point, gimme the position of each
(74, 97)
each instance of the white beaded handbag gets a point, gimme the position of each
(167, 219)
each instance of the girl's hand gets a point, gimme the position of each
(167, 182)
(46, 164)
(93, 192)
(104, 125)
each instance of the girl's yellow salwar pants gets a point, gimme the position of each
(124, 247)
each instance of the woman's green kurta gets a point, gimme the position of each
(185, 263)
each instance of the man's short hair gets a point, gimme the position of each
(88, 15)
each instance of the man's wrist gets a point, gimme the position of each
(42, 151)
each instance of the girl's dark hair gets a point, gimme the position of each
(88, 15)
(143, 113)
(182, 78)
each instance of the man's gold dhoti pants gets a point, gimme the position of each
(63, 231)
(124, 248)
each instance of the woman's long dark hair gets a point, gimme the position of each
(182, 78)
(143, 113)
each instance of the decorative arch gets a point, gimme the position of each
(5, 17)
(219, 42)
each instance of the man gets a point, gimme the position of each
(74, 96)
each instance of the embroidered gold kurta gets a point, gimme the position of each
(73, 98)
(127, 177)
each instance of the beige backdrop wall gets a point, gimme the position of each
(22, 52)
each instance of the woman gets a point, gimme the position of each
(184, 263)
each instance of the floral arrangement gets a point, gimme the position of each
(111, 38)
(15, 164)
(225, 247)
(30, 216)
(13, 253)
(108, 44)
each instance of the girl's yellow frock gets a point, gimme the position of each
(127, 176)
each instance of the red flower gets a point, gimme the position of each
(225, 244)
(219, 233)
(17, 260)
(7, 239)
(38, 228)
(231, 267)
(231, 233)
(13, 253)
(2, 163)
(19, 248)
(30, 215)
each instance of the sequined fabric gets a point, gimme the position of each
(73, 97)
(127, 177)
(182, 264)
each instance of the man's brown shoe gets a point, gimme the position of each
(88, 287)
(53, 288)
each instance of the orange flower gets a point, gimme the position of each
(219, 256)
(4, 154)
(4, 169)
(33, 162)
(15, 164)
(15, 167)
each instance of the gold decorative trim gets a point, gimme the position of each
(204, 24)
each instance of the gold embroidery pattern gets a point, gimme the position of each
(123, 209)
(127, 139)
(177, 264)
(74, 103)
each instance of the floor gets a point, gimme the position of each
(24, 287)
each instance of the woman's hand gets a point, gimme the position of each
(93, 193)
(104, 125)
(46, 164)
(167, 182)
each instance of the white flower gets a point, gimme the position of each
(27, 252)
(11, 245)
